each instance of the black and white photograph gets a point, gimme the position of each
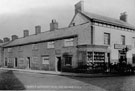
(67, 45)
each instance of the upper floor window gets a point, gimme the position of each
(107, 38)
(69, 42)
(9, 49)
(34, 46)
(50, 44)
(20, 48)
(133, 41)
(123, 39)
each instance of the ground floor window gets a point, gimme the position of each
(89, 58)
(45, 59)
(68, 60)
(99, 57)
(95, 57)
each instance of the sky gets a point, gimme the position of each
(18, 15)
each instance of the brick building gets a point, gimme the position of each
(90, 38)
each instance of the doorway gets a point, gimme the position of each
(59, 63)
(6, 62)
(15, 65)
(133, 58)
(29, 62)
(122, 57)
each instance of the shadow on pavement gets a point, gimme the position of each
(8, 81)
(120, 83)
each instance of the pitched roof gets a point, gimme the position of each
(3, 44)
(108, 20)
(48, 35)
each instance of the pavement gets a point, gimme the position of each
(61, 73)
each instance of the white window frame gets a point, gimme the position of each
(123, 42)
(50, 44)
(9, 49)
(20, 48)
(34, 46)
(107, 38)
(133, 41)
(68, 42)
(45, 60)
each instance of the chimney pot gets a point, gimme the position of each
(79, 7)
(37, 29)
(25, 33)
(53, 25)
(1, 41)
(6, 39)
(14, 37)
(123, 17)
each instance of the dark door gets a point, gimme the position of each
(133, 58)
(15, 62)
(6, 62)
(122, 57)
(28, 62)
(108, 55)
(59, 63)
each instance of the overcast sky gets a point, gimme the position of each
(17, 15)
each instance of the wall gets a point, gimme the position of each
(78, 19)
(115, 35)
(26, 51)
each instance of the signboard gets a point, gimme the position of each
(119, 46)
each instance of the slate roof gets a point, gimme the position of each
(107, 20)
(48, 35)
(3, 44)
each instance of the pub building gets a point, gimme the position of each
(89, 39)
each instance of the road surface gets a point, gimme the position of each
(14, 80)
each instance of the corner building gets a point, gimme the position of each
(89, 39)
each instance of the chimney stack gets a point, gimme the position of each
(1, 41)
(37, 29)
(53, 25)
(25, 33)
(123, 17)
(79, 7)
(6, 39)
(14, 37)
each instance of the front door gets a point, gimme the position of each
(122, 58)
(28, 58)
(133, 58)
(59, 64)
(6, 63)
(15, 63)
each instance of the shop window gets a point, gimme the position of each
(68, 60)
(107, 38)
(89, 58)
(45, 59)
(34, 46)
(99, 57)
(123, 39)
(50, 44)
(69, 42)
